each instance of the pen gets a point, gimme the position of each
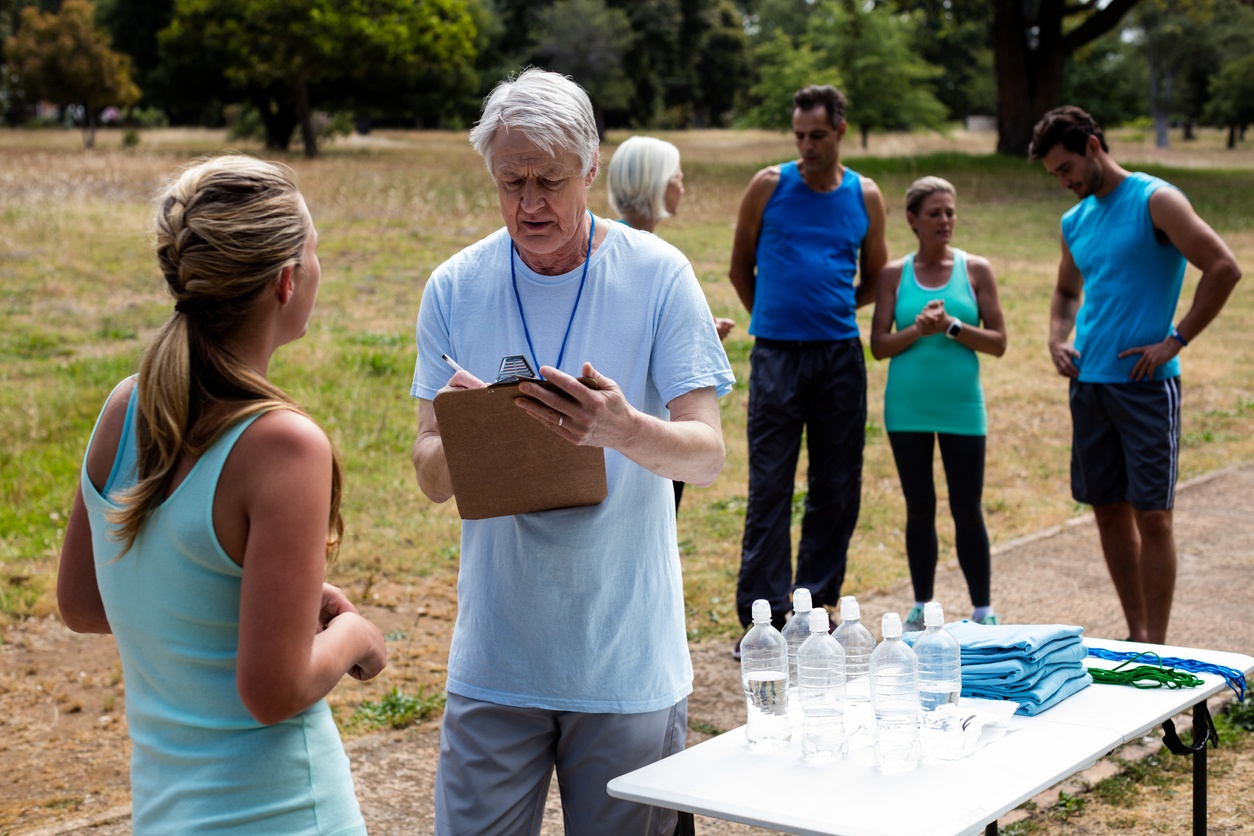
(452, 363)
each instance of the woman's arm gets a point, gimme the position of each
(277, 483)
(991, 338)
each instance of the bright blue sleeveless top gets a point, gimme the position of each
(807, 260)
(934, 385)
(199, 762)
(1131, 281)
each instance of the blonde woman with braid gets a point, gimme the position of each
(207, 510)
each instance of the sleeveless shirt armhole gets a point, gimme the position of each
(120, 455)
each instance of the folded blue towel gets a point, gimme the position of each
(1056, 654)
(1018, 641)
(1049, 691)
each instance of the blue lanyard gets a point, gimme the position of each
(513, 276)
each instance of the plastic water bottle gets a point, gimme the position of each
(821, 673)
(796, 631)
(895, 695)
(940, 682)
(764, 674)
(858, 643)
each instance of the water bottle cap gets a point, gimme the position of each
(761, 611)
(849, 609)
(890, 627)
(933, 615)
(801, 601)
(818, 620)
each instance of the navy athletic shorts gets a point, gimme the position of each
(1125, 443)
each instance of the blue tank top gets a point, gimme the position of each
(1131, 281)
(807, 260)
(934, 385)
(199, 762)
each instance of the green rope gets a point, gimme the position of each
(1145, 676)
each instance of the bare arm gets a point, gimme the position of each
(873, 254)
(1175, 218)
(688, 448)
(744, 258)
(78, 593)
(430, 466)
(296, 640)
(1063, 306)
(990, 336)
(885, 342)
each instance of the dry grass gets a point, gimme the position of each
(80, 296)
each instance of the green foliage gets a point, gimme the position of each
(587, 40)
(301, 46)
(1238, 715)
(1108, 79)
(396, 710)
(64, 58)
(887, 83)
(782, 70)
(1232, 94)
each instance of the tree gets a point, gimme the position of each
(956, 35)
(1032, 40)
(587, 40)
(888, 85)
(783, 68)
(1108, 78)
(133, 26)
(721, 63)
(277, 53)
(1232, 98)
(64, 58)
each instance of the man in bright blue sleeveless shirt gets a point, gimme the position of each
(805, 232)
(1124, 252)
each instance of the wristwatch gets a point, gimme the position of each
(953, 329)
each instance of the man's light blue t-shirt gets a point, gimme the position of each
(577, 609)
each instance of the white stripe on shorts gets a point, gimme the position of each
(1171, 386)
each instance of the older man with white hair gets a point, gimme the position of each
(570, 648)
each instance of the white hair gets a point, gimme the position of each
(548, 108)
(638, 175)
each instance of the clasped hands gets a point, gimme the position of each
(932, 319)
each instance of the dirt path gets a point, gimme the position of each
(63, 735)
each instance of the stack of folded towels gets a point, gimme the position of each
(1036, 665)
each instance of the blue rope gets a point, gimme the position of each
(1234, 678)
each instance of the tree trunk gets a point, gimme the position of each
(89, 127)
(1160, 79)
(1030, 51)
(305, 115)
(279, 122)
(1029, 57)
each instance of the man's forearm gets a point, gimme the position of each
(1213, 290)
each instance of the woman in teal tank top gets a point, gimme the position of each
(934, 310)
(206, 513)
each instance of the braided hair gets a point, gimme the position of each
(226, 227)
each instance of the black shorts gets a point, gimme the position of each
(1125, 443)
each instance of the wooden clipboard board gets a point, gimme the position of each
(503, 462)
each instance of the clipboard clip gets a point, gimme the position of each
(514, 367)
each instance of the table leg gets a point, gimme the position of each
(991, 829)
(1203, 732)
(687, 825)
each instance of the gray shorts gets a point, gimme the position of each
(496, 762)
(1125, 443)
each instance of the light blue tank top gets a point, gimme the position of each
(808, 260)
(1131, 281)
(934, 385)
(199, 762)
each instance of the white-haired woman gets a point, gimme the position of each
(934, 310)
(207, 511)
(646, 184)
(541, 677)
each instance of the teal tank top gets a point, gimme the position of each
(199, 762)
(1132, 281)
(934, 385)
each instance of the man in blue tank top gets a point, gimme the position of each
(806, 231)
(1124, 252)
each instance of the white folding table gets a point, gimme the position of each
(723, 778)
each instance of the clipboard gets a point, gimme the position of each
(502, 461)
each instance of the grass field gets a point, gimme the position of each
(81, 296)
